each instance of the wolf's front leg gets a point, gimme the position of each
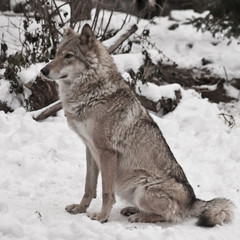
(108, 169)
(90, 186)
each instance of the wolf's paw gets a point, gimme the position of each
(128, 211)
(146, 218)
(75, 209)
(102, 218)
(138, 217)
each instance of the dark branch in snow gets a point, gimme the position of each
(48, 111)
(122, 38)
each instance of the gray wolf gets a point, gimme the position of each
(122, 141)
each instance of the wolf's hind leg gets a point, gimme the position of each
(90, 187)
(128, 211)
(157, 205)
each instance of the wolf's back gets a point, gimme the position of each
(213, 212)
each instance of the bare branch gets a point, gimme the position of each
(228, 119)
(122, 38)
(48, 111)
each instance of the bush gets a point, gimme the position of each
(223, 19)
(39, 44)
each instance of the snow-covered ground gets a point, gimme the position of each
(42, 164)
(42, 169)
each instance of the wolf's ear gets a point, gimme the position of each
(87, 36)
(67, 32)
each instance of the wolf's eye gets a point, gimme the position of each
(68, 55)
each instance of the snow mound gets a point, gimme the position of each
(155, 93)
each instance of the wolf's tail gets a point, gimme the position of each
(210, 213)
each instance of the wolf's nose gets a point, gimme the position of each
(45, 71)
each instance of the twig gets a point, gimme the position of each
(100, 29)
(229, 119)
(110, 18)
(226, 75)
(156, 48)
(58, 12)
(128, 14)
(39, 215)
(95, 20)
(60, 6)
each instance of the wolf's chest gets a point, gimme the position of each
(85, 131)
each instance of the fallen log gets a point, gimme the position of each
(43, 93)
(48, 111)
(123, 37)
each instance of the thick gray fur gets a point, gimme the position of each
(122, 141)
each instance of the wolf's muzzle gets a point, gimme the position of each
(45, 71)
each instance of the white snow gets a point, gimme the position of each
(42, 164)
(126, 62)
(5, 96)
(209, 87)
(11, 32)
(42, 169)
(232, 91)
(187, 47)
(155, 93)
(29, 74)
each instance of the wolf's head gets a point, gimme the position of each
(75, 56)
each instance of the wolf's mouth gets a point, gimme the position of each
(51, 79)
(64, 76)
